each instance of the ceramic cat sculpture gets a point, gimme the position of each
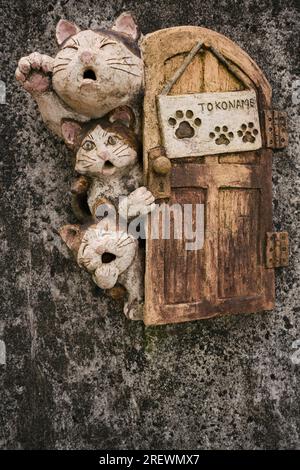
(107, 153)
(92, 73)
(112, 258)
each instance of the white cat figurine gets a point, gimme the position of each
(93, 72)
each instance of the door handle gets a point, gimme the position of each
(162, 165)
(159, 170)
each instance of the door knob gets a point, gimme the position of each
(162, 165)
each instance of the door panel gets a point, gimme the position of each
(239, 244)
(185, 269)
(228, 274)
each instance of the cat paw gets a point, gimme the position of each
(140, 202)
(80, 185)
(33, 70)
(134, 309)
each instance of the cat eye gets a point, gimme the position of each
(88, 145)
(111, 140)
(72, 46)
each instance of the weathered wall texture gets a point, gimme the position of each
(78, 374)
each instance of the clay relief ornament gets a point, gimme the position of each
(208, 133)
(92, 73)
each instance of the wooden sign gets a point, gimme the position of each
(209, 123)
(213, 113)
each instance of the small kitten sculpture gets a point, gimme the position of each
(107, 152)
(112, 257)
(93, 72)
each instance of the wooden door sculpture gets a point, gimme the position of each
(230, 273)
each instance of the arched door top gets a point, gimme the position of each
(171, 41)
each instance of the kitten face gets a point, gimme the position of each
(95, 72)
(106, 254)
(104, 152)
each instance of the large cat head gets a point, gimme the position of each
(104, 253)
(96, 71)
(105, 146)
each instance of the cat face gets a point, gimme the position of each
(94, 72)
(107, 146)
(106, 254)
(104, 152)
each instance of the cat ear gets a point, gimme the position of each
(70, 131)
(64, 30)
(71, 235)
(126, 24)
(124, 115)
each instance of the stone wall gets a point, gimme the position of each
(78, 374)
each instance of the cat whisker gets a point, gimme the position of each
(60, 65)
(84, 160)
(126, 71)
(119, 58)
(118, 148)
(63, 58)
(122, 60)
(121, 150)
(86, 165)
(85, 156)
(115, 151)
(89, 157)
(122, 245)
(59, 70)
(123, 63)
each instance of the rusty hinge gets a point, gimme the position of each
(277, 249)
(159, 171)
(276, 129)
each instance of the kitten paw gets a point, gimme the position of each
(32, 72)
(134, 310)
(140, 202)
(80, 185)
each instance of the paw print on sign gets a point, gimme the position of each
(185, 124)
(221, 136)
(248, 132)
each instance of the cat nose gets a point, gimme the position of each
(86, 57)
(104, 156)
(99, 250)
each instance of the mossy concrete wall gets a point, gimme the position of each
(78, 374)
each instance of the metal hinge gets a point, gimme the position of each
(277, 249)
(276, 129)
(159, 171)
